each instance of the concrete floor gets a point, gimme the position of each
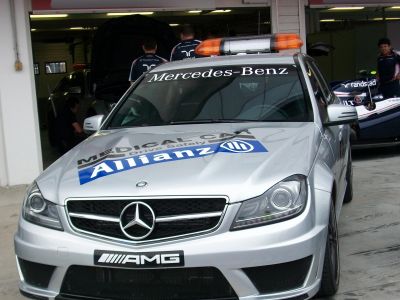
(369, 230)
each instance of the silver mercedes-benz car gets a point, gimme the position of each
(212, 178)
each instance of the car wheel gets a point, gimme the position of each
(348, 195)
(331, 269)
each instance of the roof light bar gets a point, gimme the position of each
(194, 11)
(249, 44)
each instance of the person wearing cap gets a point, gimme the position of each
(388, 70)
(147, 61)
(185, 49)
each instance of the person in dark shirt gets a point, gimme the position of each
(388, 73)
(68, 131)
(185, 49)
(147, 61)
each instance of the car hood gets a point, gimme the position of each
(237, 160)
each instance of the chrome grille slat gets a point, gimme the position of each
(95, 217)
(175, 217)
(188, 217)
(158, 220)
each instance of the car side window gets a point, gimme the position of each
(324, 85)
(320, 93)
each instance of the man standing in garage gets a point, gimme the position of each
(185, 49)
(147, 61)
(388, 73)
(69, 131)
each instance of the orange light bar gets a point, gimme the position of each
(249, 44)
(209, 47)
(284, 41)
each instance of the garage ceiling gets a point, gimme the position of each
(251, 19)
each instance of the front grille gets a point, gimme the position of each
(174, 217)
(82, 282)
(279, 277)
(36, 274)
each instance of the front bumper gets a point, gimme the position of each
(244, 258)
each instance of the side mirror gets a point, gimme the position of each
(92, 124)
(339, 114)
(75, 90)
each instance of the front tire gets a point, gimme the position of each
(331, 270)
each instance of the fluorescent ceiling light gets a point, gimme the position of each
(347, 8)
(221, 11)
(395, 7)
(386, 19)
(194, 11)
(328, 20)
(33, 29)
(174, 24)
(130, 13)
(76, 28)
(48, 16)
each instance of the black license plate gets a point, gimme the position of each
(139, 260)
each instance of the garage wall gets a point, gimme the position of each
(20, 145)
(355, 49)
(366, 40)
(45, 83)
(48, 52)
(393, 29)
(289, 16)
(3, 158)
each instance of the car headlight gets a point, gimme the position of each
(39, 211)
(284, 200)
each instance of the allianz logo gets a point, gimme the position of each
(237, 146)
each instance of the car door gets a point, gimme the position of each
(335, 135)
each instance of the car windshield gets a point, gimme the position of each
(254, 93)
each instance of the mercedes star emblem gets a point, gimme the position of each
(141, 184)
(137, 220)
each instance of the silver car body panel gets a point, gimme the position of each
(306, 148)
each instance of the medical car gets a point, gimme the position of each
(214, 178)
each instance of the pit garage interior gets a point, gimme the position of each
(66, 38)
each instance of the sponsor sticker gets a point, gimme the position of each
(360, 84)
(233, 71)
(139, 260)
(110, 166)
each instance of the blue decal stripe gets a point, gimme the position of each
(113, 166)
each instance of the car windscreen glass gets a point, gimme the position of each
(250, 93)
